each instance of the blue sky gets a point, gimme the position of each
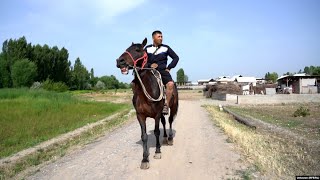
(211, 37)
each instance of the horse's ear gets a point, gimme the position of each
(132, 43)
(144, 42)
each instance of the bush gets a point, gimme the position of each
(23, 73)
(36, 85)
(100, 85)
(301, 112)
(87, 86)
(54, 86)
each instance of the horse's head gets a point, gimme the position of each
(134, 56)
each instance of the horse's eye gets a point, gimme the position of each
(138, 50)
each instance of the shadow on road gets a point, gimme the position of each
(152, 137)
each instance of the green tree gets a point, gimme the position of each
(79, 76)
(111, 82)
(306, 70)
(60, 71)
(180, 76)
(91, 73)
(93, 80)
(41, 56)
(124, 85)
(317, 71)
(15, 50)
(289, 73)
(51, 64)
(23, 73)
(186, 78)
(12, 51)
(312, 70)
(271, 76)
(5, 76)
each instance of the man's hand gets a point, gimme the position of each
(154, 65)
(168, 70)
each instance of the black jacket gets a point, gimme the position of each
(160, 56)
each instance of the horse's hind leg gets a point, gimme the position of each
(170, 139)
(144, 138)
(165, 136)
(157, 134)
(173, 112)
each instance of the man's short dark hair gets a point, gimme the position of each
(156, 32)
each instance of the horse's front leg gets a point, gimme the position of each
(144, 138)
(157, 134)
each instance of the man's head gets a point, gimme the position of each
(157, 38)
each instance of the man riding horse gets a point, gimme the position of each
(148, 90)
(157, 58)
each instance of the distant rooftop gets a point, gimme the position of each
(299, 75)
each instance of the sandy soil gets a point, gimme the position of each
(200, 151)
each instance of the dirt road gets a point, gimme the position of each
(200, 151)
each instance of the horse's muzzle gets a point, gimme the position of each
(121, 63)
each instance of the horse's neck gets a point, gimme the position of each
(146, 77)
(149, 81)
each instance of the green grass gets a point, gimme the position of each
(50, 154)
(28, 117)
(101, 91)
(283, 115)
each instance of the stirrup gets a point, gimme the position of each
(165, 109)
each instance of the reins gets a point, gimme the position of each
(159, 82)
(159, 79)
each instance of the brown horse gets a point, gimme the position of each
(147, 97)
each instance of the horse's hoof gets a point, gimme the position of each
(145, 165)
(157, 156)
(170, 142)
(165, 141)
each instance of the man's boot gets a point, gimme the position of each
(165, 109)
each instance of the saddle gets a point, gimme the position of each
(158, 76)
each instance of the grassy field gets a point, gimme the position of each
(115, 96)
(277, 157)
(282, 115)
(29, 117)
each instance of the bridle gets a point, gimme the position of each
(159, 80)
(144, 57)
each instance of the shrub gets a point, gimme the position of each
(23, 73)
(54, 86)
(100, 85)
(36, 85)
(87, 86)
(301, 112)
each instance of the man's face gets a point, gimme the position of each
(157, 39)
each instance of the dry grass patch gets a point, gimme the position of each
(283, 115)
(190, 94)
(272, 155)
(119, 96)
